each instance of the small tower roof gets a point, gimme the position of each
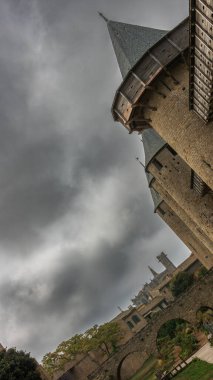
(149, 177)
(152, 143)
(153, 271)
(156, 198)
(130, 42)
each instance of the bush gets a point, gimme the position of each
(17, 365)
(202, 272)
(188, 344)
(181, 282)
(169, 329)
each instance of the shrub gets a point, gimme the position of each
(181, 282)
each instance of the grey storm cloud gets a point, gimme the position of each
(77, 228)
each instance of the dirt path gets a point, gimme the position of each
(204, 353)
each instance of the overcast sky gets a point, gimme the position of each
(77, 228)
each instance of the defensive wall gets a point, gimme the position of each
(145, 342)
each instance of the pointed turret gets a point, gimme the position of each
(152, 143)
(157, 200)
(130, 42)
(153, 271)
(149, 178)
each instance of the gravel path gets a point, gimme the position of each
(204, 353)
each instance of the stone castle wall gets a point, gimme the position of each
(184, 307)
(181, 213)
(175, 178)
(182, 129)
(186, 235)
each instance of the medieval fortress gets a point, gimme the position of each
(166, 96)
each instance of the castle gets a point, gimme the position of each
(166, 96)
(145, 294)
(155, 295)
(132, 320)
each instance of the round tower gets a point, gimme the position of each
(155, 93)
(175, 176)
(166, 92)
(184, 231)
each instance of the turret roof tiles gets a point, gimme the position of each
(152, 143)
(130, 42)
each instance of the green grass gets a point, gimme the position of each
(147, 371)
(196, 370)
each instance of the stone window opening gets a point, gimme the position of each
(171, 149)
(198, 185)
(157, 164)
(130, 325)
(162, 212)
(135, 319)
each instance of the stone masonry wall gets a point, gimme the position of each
(184, 307)
(182, 129)
(182, 214)
(186, 235)
(175, 178)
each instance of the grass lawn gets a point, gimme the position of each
(147, 371)
(196, 370)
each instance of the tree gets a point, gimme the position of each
(104, 337)
(65, 352)
(18, 365)
(181, 282)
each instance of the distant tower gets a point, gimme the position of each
(155, 274)
(163, 259)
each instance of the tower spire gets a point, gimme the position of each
(102, 15)
(130, 42)
(153, 271)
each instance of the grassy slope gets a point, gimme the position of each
(197, 370)
(146, 372)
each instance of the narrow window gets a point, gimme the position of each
(171, 150)
(162, 212)
(198, 185)
(135, 319)
(130, 325)
(157, 164)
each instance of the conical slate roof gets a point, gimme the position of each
(149, 177)
(130, 42)
(156, 198)
(152, 143)
(153, 271)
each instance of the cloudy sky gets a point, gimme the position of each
(77, 228)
